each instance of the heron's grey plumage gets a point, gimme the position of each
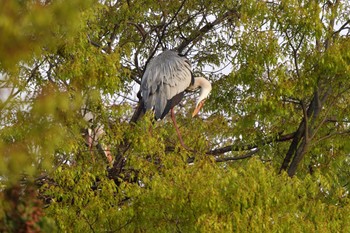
(166, 76)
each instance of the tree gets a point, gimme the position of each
(280, 91)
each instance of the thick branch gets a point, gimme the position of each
(248, 155)
(297, 137)
(307, 133)
(255, 145)
(139, 112)
(299, 154)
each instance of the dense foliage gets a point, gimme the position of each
(270, 152)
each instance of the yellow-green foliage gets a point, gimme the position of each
(275, 67)
(200, 197)
(27, 26)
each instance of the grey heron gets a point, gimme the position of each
(166, 78)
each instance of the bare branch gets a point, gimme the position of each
(252, 146)
(329, 135)
(140, 29)
(14, 93)
(248, 155)
(344, 26)
(197, 35)
(162, 35)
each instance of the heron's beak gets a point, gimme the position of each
(199, 106)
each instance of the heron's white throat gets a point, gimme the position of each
(205, 88)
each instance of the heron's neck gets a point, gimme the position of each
(204, 85)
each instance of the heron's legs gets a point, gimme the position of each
(177, 129)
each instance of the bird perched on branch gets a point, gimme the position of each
(164, 82)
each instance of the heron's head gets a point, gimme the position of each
(205, 88)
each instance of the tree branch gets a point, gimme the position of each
(162, 35)
(197, 35)
(329, 135)
(306, 118)
(298, 136)
(97, 45)
(342, 27)
(14, 93)
(279, 138)
(248, 155)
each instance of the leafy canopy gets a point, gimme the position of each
(280, 75)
